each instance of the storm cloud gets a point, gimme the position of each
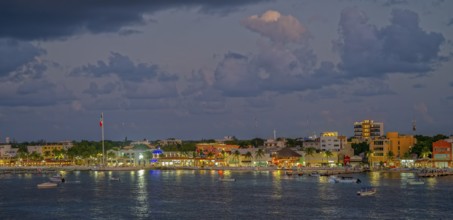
(401, 47)
(55, 19)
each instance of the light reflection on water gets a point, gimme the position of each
(192, 194)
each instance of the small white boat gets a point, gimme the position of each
(367, 191)
(415, 181)
(343, 179)
(227, 179)
(47, 185)
(114, 178)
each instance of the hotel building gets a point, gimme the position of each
(368, 129)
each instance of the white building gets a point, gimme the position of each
(7, 151)
(330, 141)
(37, 149)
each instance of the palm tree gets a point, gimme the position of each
(224, 157)
(248, 156)
(328, 154)
(236, 155)
(369, 156)
(259, 154)
(425, 152)
(309, 151)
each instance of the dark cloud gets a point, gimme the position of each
(123, 67)
(275, 69)
(128, 32)
(53, 19)
(401, 47)
(14, 54)
(450, 22)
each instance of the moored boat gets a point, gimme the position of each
(366, 191)
(343, 179)
(47, 185)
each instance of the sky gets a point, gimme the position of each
(205, 69)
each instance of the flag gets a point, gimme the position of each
(101, 121)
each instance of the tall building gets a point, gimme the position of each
(368, 129)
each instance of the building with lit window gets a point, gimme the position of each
(368, 129)
(391, 148)
(442, 153)
(331, 141)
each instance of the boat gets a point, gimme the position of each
(315, 174)
(226, 179)
(366, 191)
(57, 178)
(47, 185)
(114, 178)
(414, 181)
(343, 179)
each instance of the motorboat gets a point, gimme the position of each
(366, 191)
(47, 185)
(343, 179)
(414, 181)
(113, 178)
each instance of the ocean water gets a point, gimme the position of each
(187, 194)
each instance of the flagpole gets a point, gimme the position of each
(103, 155)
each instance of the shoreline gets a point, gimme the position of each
(321, 170)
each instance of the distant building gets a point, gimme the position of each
(142, 142)
(315, 143)
(275, 143)
(32, 149)
(330, 141)
(368, 129)
(170, 141)
(442, 153)
(7, 151)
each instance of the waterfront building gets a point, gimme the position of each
(6, 154)
(442, 153)
(368, 129)
(331, 141)
(390, 149)
(286, 158)
(52, 151)
(35, 149)
(215, 148)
